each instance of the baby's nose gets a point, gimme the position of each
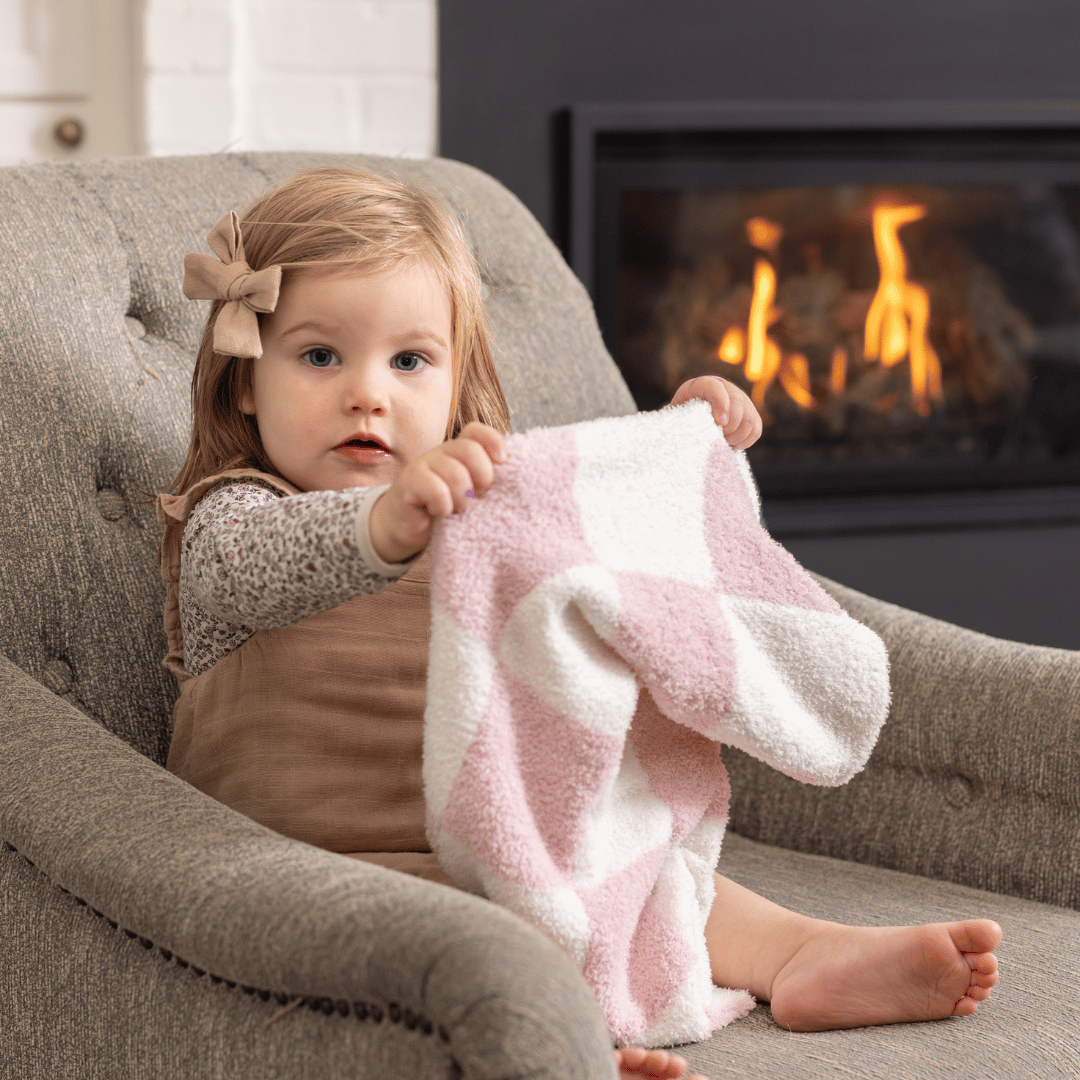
(365, 393)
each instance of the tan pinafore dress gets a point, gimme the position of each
(314, 729)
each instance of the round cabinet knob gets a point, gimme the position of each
(69, 132)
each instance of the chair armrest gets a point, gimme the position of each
(238, 901)
(973, 779)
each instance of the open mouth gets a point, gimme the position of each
(363, 444)
(363, 451)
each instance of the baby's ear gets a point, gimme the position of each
(246, 400)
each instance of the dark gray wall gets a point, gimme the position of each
(1021, 584)
(508, 66)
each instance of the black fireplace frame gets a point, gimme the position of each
(591, 124)
(1019, 141)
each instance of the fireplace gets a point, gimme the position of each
(897, 287)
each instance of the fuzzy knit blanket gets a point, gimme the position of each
(606, 616)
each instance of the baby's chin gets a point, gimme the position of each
(343, 479)
(360, 481)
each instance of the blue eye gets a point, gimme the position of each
(408, 361)
(321, 358)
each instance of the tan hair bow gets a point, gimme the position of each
(236, 330)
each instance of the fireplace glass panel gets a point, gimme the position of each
(895, 336)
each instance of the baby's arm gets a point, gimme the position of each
(256, 560)
(731, 408)
(435, 485)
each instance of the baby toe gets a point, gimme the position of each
(977, 936)
(965, 1006)
(662, 1064)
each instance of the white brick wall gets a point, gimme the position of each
(337, 75)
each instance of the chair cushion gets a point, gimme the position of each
(1027, 1028)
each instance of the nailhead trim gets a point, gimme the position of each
(362, 1010)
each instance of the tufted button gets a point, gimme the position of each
(57, 677)
(959, 791)
(135, 327)
(111, 505)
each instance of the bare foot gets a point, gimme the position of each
(855, 976)
(634, 1061)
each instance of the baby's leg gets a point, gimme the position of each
(821, 975)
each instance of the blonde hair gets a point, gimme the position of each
(351, 219)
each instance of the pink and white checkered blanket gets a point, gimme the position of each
(602, 619)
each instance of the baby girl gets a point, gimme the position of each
(345, 398)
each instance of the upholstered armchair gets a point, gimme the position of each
(148, 931)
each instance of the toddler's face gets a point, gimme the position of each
(356, 376)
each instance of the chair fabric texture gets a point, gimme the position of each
(148, 931)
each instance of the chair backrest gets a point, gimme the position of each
(97, 344)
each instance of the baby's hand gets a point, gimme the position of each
(435, 485)
(731, 408)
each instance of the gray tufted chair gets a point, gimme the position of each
(147, 931)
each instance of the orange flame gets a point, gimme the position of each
(763, 233)
(762, 314)
(900, 311)
(732, 347)
(795, 379)
(770, 366)
(838, 373)
(764, 358)
(896, 324)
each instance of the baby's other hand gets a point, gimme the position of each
(731, 408)
(434, 485)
